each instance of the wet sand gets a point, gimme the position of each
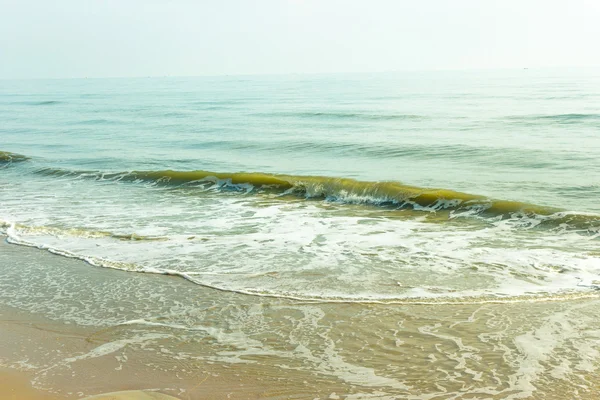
(44, 359)
(63, 339)
(31, 345)
(16, 385)
(25, 336)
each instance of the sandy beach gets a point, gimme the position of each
(35, 352)
(17, 386)
(45, 358)
(24, 336)
(51, 359)
(299, 200)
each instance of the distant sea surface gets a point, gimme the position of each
(383, 190)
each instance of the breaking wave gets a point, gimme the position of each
(387, 194)
(7, 157)
(344, 190)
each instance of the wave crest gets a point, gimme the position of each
(7, 157)
(390, 194)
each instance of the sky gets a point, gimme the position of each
(122, 38)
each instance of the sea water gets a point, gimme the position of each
(393, 194)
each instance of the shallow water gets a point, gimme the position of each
(344, 224)
(166, 333)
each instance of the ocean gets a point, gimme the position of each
(422, 235)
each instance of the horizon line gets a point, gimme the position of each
(281, 74)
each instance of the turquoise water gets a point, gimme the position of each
(438, 188)
(517, 135)
(515, 154)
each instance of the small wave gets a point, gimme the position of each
(344, 115)
(97, 121)
(38, 103)
(7, 157)
(474, 155)
(571, 118)
(15, 235)
(391, 194)
(583, 292)
(568, 117)
(175, 114)
(13, 238)
(74, 232)
(344, 190)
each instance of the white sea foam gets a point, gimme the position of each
(298, 251)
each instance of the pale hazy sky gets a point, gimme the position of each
(105, 38)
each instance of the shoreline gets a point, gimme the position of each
(46, 359)
(75, 330)
(70, 360)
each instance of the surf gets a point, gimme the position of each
(8, 157)
(387, 194)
